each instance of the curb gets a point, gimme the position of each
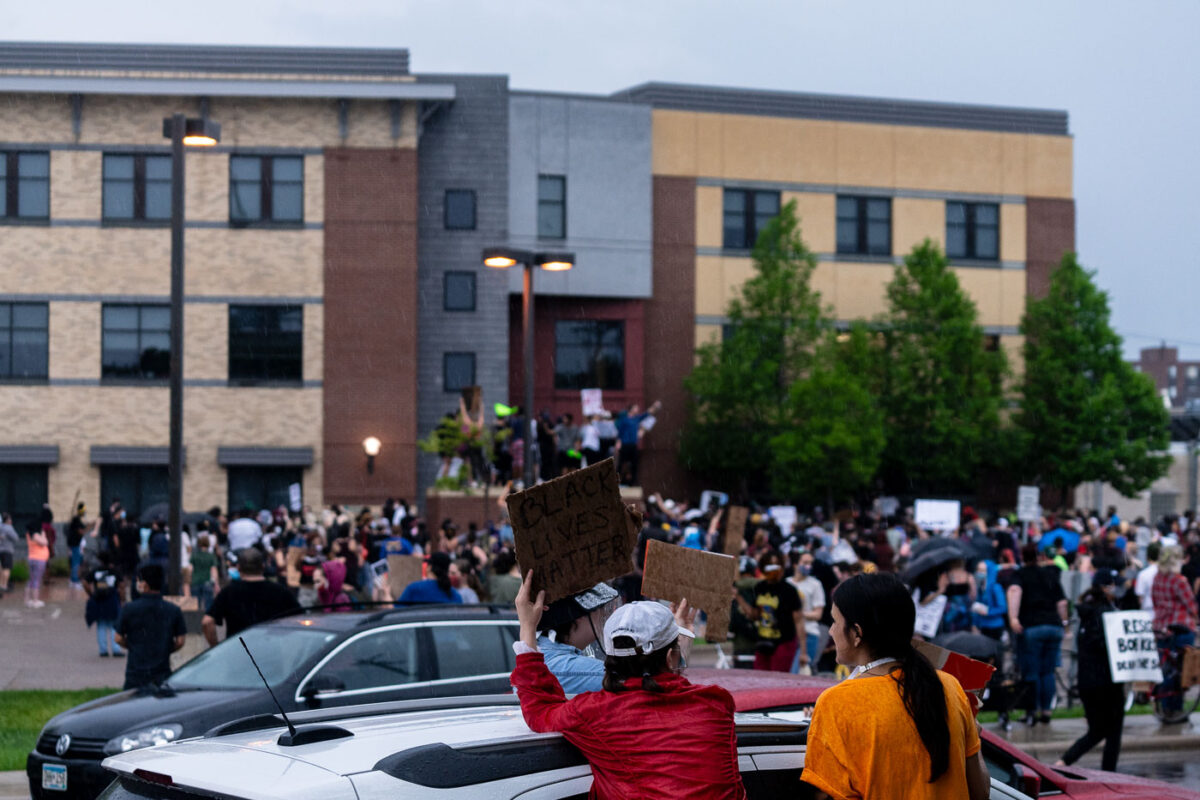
(1137, 744)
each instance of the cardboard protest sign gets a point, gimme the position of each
(292, 560)
(401, 571)
(673, 573)
(189, 603)
(734, 535)
(938, 515)
(1132, 649)
(972, 675)
(1191, 668)
(574, 531)
(473, 400)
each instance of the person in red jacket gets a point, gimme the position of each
(649, 732)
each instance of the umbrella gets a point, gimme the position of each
(1070, 539)
(982, 546)
(971, 645)
(933, 557)
(923, 546)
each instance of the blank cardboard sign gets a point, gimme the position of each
(705, 579)
(735, 530)
(403, 570)
(574, 531)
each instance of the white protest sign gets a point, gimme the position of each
(708, 496)
(938, 515)
(929, 616)
(1132, 650)
(784, 516)
(1028, 503)
(592, 401)
(887, 506)
(294, 497)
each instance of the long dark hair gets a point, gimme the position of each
(618, 669)
(880, 607)
(439, 565)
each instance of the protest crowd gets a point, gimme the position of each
(1003, 590)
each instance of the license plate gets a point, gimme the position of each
(54, 777)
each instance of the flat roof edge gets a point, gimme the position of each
(216, 87)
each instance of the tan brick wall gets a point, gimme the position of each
(75, 418)
(314, 342)
(75, 340)
(35, 118)
(206, 341)
(75, 179)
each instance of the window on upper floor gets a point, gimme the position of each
(552, 207)
(136, 342)
(266, 344)
(746, 213)
(266, 189)
(136, 187)
(973, 230)
(589, 354)
(458, 213)
(458, 371)
(864, 226)
(458, 291)
(24, 186)
(24, 341)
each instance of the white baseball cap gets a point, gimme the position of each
(650, 625)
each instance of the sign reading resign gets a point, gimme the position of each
(574, 531)
(1132, 650)
(705, 579)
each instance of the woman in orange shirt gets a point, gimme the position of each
(39, 555)
(896, 729)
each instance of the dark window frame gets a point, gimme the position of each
(861, 220)
(238, 376)
(265, 475)
(560, 204)
(446, 221)
(446, 280)
(139, 181)
(581, 380)
(10, 186)
(751, 220)
(446, 384)
(11, 328)
(266, 180)
(105, 375)
(971, 227)
(30, 507)
(140, 496)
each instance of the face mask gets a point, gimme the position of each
(456, 581)
(806, 570)
(981, 577)
(234, 574)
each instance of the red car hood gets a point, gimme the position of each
(755, 690)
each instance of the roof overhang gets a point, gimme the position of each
(217, 87)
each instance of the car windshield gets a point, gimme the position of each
(278, 649)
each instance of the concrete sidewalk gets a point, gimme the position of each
(1143, 733)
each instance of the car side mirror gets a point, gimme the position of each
(322, 684)
(1030, 782)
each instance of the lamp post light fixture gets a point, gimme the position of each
(182, 131)
(503, 257)
(371, 446)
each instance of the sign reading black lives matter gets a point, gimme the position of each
(1132, 651)
(574, 531)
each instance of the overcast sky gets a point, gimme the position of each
(1128, 73)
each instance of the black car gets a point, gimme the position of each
(310, 661)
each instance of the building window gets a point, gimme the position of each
(864, 226)
(458, 291)
(24, 340)
(266, 189)
(589, 354)
(139, 487)
(261, 487)
(136, 342)
(746, 214)
(24, 186)
(973, 230)
(459, 210)
(552, 207)
(24, 489)
(266, 344)
(458, 371)
(137, 187)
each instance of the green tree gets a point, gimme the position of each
(740, 387)
(1086, 414)
(941, 388)
(833, 446)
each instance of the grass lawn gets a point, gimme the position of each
(24, 712)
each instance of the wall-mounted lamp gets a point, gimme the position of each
(371, 447)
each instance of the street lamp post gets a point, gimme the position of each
(198, 132)
(502, 257)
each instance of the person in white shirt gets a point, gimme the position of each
(244, 531)
(1145, 579)
(813, 594)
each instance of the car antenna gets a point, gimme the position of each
(296, 736)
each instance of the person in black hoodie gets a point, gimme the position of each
(1103, 700)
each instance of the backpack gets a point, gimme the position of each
(160, 545)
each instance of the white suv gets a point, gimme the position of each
(459, 747)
